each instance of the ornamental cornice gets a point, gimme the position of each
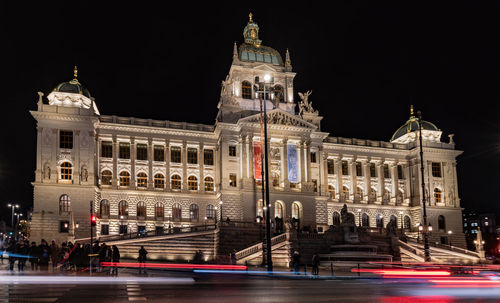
(63, 117)
(156, 131)
(355, 148)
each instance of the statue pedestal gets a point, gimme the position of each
(350, 233)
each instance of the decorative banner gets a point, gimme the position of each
(293, 175)
(257, 160)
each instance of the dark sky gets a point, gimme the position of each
(366, 62)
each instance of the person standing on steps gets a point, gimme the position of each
(142, 259)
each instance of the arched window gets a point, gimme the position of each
(380, 221)
(345, 194)
(387, 196)
(142, 180)
(211, 212)
(331, 192)
(159, 181)
(276, 179)
(372, 197)
(365, 220)
(176, 182)
(141, 209)
(176, 212)
(209, 184)
(407, 222)
(106, 177)
(393, 217)
(123, 208)
(66, 171)
(437, 195)
(278, 210)
(193, 212)
(441, 223)
(64, 204)
(399, 197)
(246, 90)
(192, 183)
(124, 179)
(159, 210)
(359, 194)
(336, 218)
(259, 209)
(279, 94)
(104, 208)
(296, 210)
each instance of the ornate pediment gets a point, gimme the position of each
(279, 117)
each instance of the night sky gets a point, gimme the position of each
(366, 62)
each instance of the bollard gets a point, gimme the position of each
(331, 269)
(359, 273)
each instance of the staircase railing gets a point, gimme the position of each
(258, 247)
(450, 248)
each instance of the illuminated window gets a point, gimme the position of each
(373, 170)
(66, 171)
(359, 194)
(175, 154)
(260, 209)
(192, 156)
(106, 149)
(208, 157)
(278, 210)
(176, 212)
(276, 179)
(192, 183)
(176, 182)
(104, 208)
(159, 181)
(345, 168)
(124, 150)
(159, 153)
(209, 184)
(336, 218)
(386, 197)
(407, 222)
(359, 169)
(399, 197)
(142, 152)
(106, 177)
(372, 197)
(142, 180)
(124, 179)
(159, 210)
(278, 93)
(193, 212)
(211, 212)
(123, 208)
(345, 194)
(330, 166)
(315, 185)
(436, 169)
(331, 191)
(232, 151)
(380, 221)
(365, 220)
(246, 90)
(64, 204)
(232, 180)
(141, 209)
(387, 173)
(437, 195)
(66, 139)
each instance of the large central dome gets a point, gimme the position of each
(406, 133)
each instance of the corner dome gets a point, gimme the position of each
(406, 133)
(73, 87)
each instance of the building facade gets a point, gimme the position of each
(143, 174)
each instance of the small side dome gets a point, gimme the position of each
(73, 87)
(405, 133)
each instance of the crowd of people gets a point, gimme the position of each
(67, 256)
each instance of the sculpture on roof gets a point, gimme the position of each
(305, 106)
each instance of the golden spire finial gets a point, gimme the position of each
(411, 110)
(250, 17)
(75, 72)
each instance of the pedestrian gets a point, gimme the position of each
(315, 264)
(10, 252)
(44, 250)
(296, 262)
(21, 252)
(115, 259)
(142, 259)
(233, 257)
(54, 254)
(34, 254)
(102, 256)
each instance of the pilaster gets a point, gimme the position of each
(201, 164)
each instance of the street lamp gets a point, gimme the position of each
(215, 217)
(18, 215)
(425, 231)
(359, 217)
(12, 206)
(260, 87)
(449, 235)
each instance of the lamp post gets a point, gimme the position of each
(18, 215)
(425, 231)
(261, 88)
(12, 207)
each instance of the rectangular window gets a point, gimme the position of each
(104, 229)
(192, 156)
(436, 169)
(400, 172)
(159, 153)
(313, 157)
(107, 149)
(124, 152)
(66, 139)
(232, 180)
(232, 151)
(345, 168)
(63, 226)
(175, 154)
(208, 157)
(373, 170)
(315, 185)
(387, 173)
(329, 164)
(359, 169)
(123, 229)
(142, 152)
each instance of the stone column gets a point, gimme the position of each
(284, 164)
(455, 185)
(76, 163)
(133, 152)
(201, 164)
(323, 157)
(366, 176)
(243, 158)
(184, 166)
(380, 174)
(300, 160)
(40, 169)
(251, 169)
(308, 160)
(407, 175)
(167, 165)
(393, 169)
(116, 154)
(338, 173)
(352, 171)
(150, 163)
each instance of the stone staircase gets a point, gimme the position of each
(281, 252)
(357, 252)
(412, 251)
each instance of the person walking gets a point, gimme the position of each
(315, 264)
(21, 251)
(33, 254)
(142, 259)
(10, 252)
(44, 250)
(115, 258)
(54, 254)
(296, 262)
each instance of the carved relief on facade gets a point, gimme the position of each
(84, 174)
